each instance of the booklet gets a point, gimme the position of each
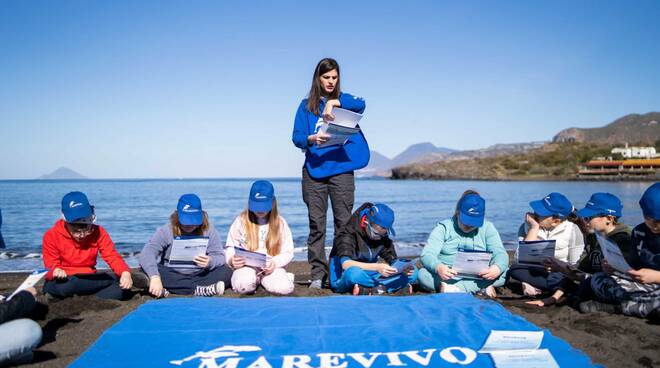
(342, 128)
(185, 249)
(30, 281)
(612, 254)
(518, 349)
(471, 263)
(401, 265)
(252, 259)
(533, 253)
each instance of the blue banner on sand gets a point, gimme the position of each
(442, 330)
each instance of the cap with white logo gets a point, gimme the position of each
(472, 210)
(76, 208)
(554, 204)
(261, 196)
(602, 204)
(189, 210)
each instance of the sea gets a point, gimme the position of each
(132, 210)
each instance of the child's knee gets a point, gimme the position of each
(244, 280)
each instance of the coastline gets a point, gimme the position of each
(72, 325)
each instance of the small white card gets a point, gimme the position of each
(30, 281)
(252, 259)
(512, 340)
(541, 358)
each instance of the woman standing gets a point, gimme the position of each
(328, 171)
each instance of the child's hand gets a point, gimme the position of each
(156, 286)
(491, 273)
(645, 275)
(386, 270)
(32, 291)
(125, 281)
(530, 219)
(237, 262)
(59, 273)
(270, 267)
(445, 272)
(202, 261)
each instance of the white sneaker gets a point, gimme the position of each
(316, 284)
(216, 289)
(448, 288)
(291, 276)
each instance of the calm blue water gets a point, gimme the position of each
(131, 210)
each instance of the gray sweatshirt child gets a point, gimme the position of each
(158, 248)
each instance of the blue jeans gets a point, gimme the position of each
(355, 275)
(18, 338)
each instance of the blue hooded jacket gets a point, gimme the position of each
(332, 160)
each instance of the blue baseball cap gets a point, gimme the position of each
(76, 207)
(554, 204)
(189, 210)
(650, 202)
(383, 216)
(602, 204)
(472, 210)
(261, 196)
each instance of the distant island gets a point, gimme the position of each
(63, 173)
(571, 153)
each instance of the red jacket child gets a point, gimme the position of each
(61, 250)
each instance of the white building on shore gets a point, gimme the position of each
(635, 152)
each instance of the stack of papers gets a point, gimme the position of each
(342, 128)
(185, 249)
(518, 349)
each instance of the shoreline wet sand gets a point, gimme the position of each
(71, 325)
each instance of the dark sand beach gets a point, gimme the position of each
(72, 325)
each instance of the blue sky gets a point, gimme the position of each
(127, 89)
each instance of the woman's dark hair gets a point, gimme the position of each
(315, 93)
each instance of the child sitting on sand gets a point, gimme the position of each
(601, 214)
(210, 276)
(18, 335)
(354, 262)
(637, 292)
(465, 231)
(548, 221)
(70, 249)
(261, 229)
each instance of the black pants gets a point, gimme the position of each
(537, 277)
(341, 189)
(185, 284)
(103, 285)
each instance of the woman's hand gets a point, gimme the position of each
(445, 272)
(270, 267)
(156, 286)
(202, 261)
(125, 280)
(236, 262)
(645, 275)
(318, 139)
(59, 273)
(385, 269)
(327, 110)
(491, 273)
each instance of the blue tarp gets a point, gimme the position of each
(337, 331)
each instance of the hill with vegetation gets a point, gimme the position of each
(550, 161)
(633, 129)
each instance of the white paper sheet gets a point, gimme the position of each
(541, 358)
(535, 252)
(512, 340)
(29, 282)
(471, 263)
(252, 259)
(342, 128)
